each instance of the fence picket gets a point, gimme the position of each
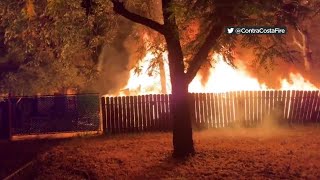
(247, 117)
(293, 106)
(149, 112)
(160, 120)
(282, 105)
(314, 107)
(225, 109)
(103, 114)
(197, 108)
(232, 108)
(305, 106)
(208, 109)
(169, 110)
(214, 118)
(120, 114)
(131, 112)
(263, 106)
(127, 114)
(267, 114)
(309, 107)
(162, 112)
(260, 106)
(216, 110)
(201, 116)
(297, 107)
(286, 99)
(252, 106)
(228, 108)
(143, 111)
(113, 118)
(136, 114)
(146, 113)
(108, 114)
(238, 115)
(117, 114)
(238, 108)
(317, 111)
(256, 107)
(166, 105)
(300, 109)
(203, 111)
(221, 112)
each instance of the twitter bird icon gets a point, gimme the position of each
(230, 30)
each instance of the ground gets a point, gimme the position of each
(291, 153)
(14, 155)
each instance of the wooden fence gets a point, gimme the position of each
(136, 113)
(211, 110)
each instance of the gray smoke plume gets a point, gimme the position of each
(113, 62)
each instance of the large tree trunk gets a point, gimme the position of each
(182, 125)
(180, 107)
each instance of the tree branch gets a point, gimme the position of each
(295, 42)
(119, 8)
(203, 52)
(300, 45)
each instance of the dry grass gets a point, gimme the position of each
(230, 153)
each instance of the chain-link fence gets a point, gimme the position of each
(49, 114)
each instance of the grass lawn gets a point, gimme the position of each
(225, 153)
(15, 154)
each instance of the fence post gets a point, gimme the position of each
(5, 126)
(103, 119)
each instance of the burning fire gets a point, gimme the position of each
(143, 83)
(222, 78)
(225, 78)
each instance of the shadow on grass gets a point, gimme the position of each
(15, 154)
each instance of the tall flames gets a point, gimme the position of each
(221, 78)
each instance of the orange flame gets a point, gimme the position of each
(222, 78)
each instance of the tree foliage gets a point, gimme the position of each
(195, 19)
(53, 44)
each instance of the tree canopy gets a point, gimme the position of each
(196, 18)
(52, 45)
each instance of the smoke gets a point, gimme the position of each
(114, 61)
(269, 124)
(118, 59)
